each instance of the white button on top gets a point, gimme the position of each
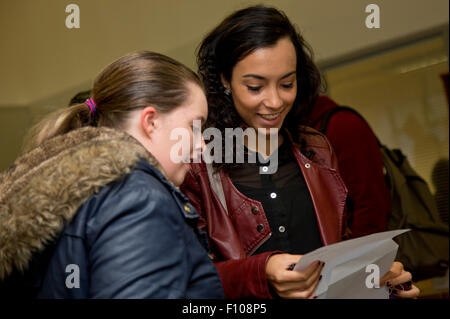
(265, 169)
(307, 165)
(273, 195)
(281, 229)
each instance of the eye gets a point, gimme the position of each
(253, 88)
(288, 85)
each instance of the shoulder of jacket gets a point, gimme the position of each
(314, 139)
(154, 185)
(138, 194)
(145, 183)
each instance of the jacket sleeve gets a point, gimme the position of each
(361, 168)
(246, 278)
(241, 278)
(135, 244)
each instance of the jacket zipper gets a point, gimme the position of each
(264, 240)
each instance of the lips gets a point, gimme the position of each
(270, 117)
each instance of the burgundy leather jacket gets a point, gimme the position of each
(235, 235)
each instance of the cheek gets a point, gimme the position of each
(289, 97)
(177, 167)
(290, 102)
(246, 103)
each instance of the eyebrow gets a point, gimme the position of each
(259, 77)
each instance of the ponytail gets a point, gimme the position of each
(132, 82)
(57, 123)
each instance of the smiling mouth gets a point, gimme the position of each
(270, 116)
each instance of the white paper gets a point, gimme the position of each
(344, 274)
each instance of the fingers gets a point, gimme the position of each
(308, 272)
(288, 283)
(412, 293)
(302, 284)
(395, 271)
(315, 277)
(300, 288)
(313, 288)
(310, 291)
(297, 276)
(405, 276)
(397, 279)
(306, 294)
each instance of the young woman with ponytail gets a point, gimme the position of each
(92, 208)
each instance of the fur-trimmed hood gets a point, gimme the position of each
(42, 191)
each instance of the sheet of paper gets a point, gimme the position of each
(347, 274)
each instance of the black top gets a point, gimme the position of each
(285, 199)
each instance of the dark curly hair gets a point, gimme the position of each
(236, 37)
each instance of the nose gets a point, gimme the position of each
(203, 144)
(273, 99)
(199, 146)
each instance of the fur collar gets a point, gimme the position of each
(43, 189)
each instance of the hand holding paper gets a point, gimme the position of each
(353, 267)
(292, 284)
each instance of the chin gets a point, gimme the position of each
(278, 127)
(178, 180)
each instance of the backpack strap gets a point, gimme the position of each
(216, 185)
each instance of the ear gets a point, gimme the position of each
(149, 120)
(225, 83)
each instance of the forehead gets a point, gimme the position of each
(269, 61)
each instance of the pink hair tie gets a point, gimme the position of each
(90, 102)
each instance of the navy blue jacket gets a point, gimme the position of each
(136, 238)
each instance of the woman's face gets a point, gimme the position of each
(264, 85)
(169, 143)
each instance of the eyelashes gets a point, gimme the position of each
(253, 88)
(257, 88)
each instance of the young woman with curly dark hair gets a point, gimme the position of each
(259, 74)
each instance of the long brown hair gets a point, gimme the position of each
(132, 82)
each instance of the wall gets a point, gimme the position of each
(43, 63)
(402, 96)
